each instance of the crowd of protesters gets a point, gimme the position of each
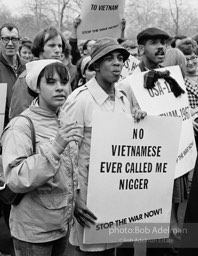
(58, 82)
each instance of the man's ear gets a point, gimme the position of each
(141, 49)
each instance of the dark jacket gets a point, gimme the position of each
(9, 75)
(21, 99)
(74, 51)
(189, 240)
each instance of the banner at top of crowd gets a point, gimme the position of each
(101, 18)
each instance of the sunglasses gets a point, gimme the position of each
(6, 40)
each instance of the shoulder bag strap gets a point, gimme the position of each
(33, 136)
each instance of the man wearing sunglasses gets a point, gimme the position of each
(11, 66)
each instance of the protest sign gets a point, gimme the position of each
(161, 101)
(101, 18)
(3, 93)
(128, 67)
(130, 172)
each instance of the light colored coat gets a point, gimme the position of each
(79, 107)
(49, 179)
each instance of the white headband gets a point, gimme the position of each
(34, 69)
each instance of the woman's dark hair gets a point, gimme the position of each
(48, 73)
(32, 93)
(40, 40)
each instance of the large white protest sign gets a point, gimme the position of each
(101, 18)
(129, 65)
(131, 176)
(161, 101)
(3, 93)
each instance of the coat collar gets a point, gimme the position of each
(98, 93)
(34, 107)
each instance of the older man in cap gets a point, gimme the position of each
(107, 58)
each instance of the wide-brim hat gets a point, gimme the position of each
(151, 33)
(33, 69)
(104, 46)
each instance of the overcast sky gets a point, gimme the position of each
(18, 5)
(14, 5)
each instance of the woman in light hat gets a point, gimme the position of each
(40, 223)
